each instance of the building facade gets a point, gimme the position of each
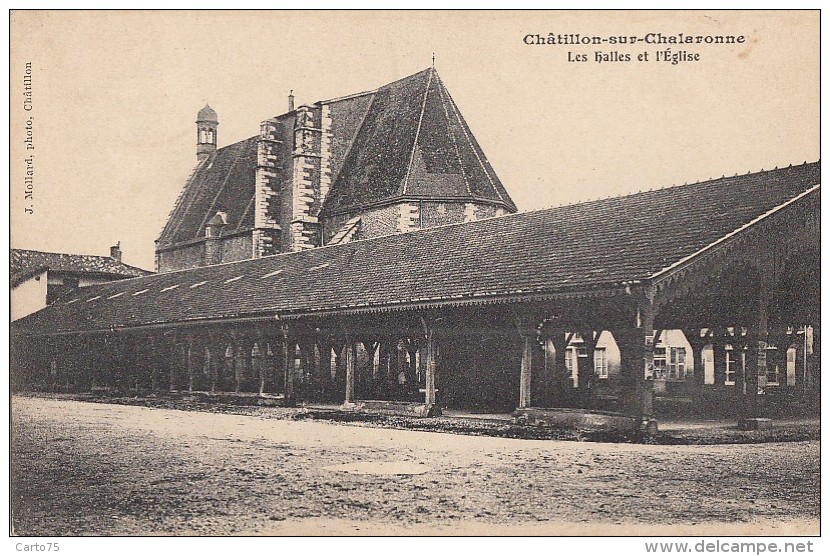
(39, 278)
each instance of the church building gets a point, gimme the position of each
(395, 159)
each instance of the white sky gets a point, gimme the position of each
(115, 95)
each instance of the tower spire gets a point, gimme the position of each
(206, 124)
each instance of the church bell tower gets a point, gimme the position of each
(206, 124)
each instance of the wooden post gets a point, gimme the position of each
(636, 345)
(719, 357)
(350, 371)
(526, 371)
(697, 342)
(189, 348)
(401, 365)
(527, 333)
(94, 354)
(214, 360)
(752, 370)
(262, 347)
(237, 362)
(138, 364)
(756, 354)
(288, 367)
(175, 353)
(431, 369)
(740, 342)
(585, 377)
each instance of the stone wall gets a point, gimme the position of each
(237, 248)
(189, 256)
(306, 202)
(271, 161)
(407, 217)
(438, 214)
(379, 222)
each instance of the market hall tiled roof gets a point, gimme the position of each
(592, 245)
(25, 262)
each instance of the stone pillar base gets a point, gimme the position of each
(582, 420)
(405, 409)
(755, 424)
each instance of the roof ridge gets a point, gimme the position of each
(354, 95)
(395, 82)
(80, 257)
(619, 195)
(417, 134)
(61, 253)
(340, 98)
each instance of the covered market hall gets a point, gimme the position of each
(476, 315)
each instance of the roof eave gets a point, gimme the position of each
(726, 239)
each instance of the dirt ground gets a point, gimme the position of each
(97, 469)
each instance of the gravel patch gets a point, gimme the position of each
(97, 469)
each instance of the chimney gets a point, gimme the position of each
(291, 100)
(115, 252)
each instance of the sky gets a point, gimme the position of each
(114, 96)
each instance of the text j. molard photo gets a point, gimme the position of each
(443, 273)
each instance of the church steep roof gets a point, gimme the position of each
(405, 140)
(222, 182)
(414, 144)
(597, 245)
(207, 114)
